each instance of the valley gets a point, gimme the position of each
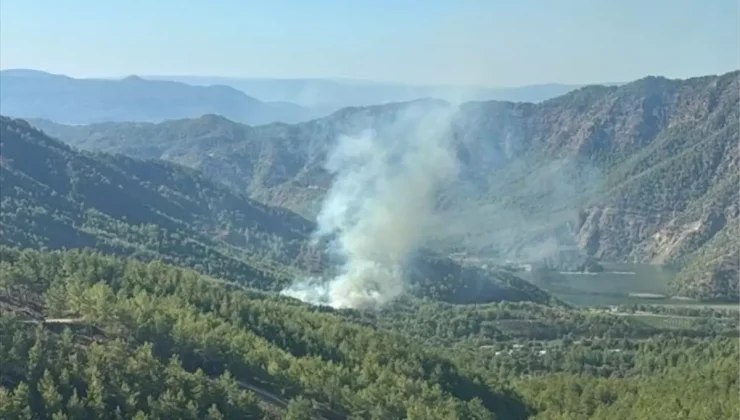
(159, 211)
(348, 210)
(642, 173)
(149, 269)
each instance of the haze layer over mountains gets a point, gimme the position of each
(37, 94)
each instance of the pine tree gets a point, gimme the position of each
(141, 416)
(299, 409)
(95, 399)
(59, 415)
(34, 367)
(76, 407)
(214, 413)
(8, 405)
(21, 402)
(55, 300)
(50, 396)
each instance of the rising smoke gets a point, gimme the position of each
(501, 205)
(528, 213)
(380, 206)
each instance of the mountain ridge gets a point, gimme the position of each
(158, 210)
(600, 149)
(37, 94)
(333, 94)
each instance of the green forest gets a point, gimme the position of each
(140, 289)
(127, 339)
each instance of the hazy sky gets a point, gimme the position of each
(492, 42)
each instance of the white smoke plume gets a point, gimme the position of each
(380, 206)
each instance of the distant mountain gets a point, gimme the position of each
(36, 94)
(644, 172)
(54, 196)
(330, 95)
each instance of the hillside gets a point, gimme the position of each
(35, 94)
(56, 197)
(661, 163)
(169, 344)
(643, 172)
(156, 210)
(91, 336)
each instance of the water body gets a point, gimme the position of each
(618, 284)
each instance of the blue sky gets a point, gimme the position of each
(488, 42)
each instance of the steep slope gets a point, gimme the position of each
(662, 164)
(56, 197)
(157, 210)
(33, 94)
(644, 172)
(281, 164)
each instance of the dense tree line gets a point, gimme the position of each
(445, 324)
(694, 392)
(61, 376)
(285, 349)
(177, 344)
